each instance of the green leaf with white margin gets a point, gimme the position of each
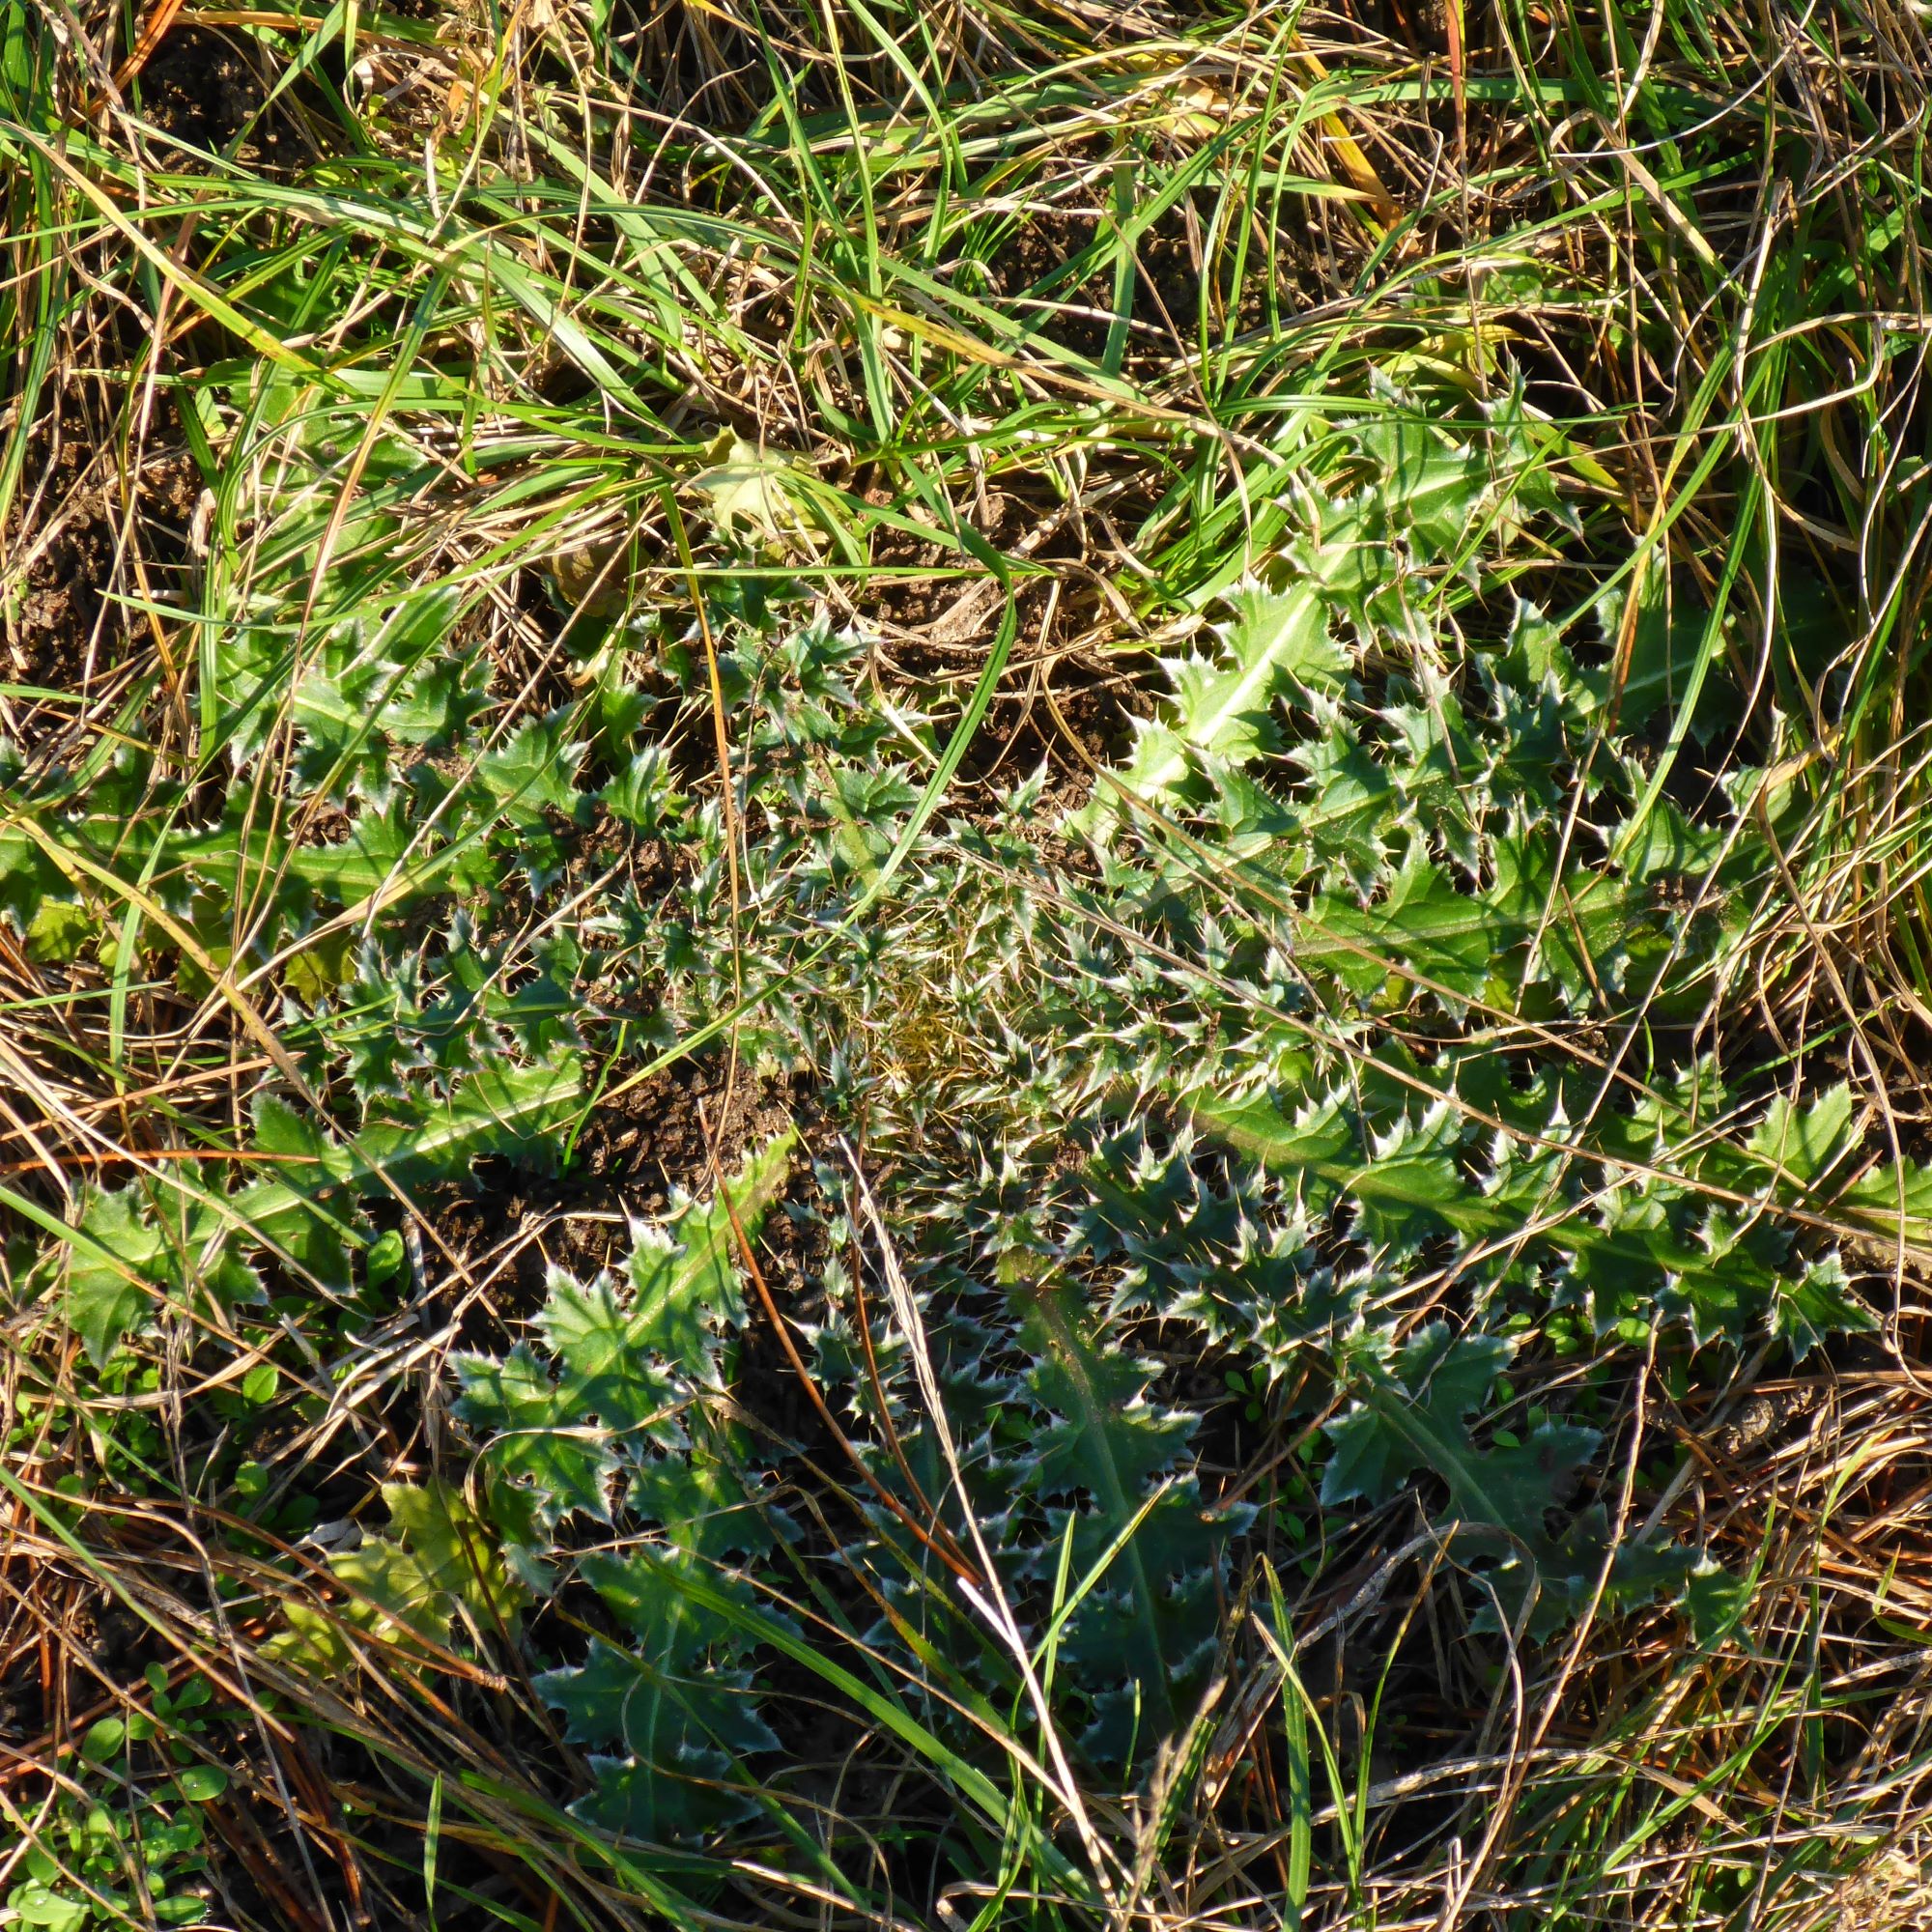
(1807, 1142)
(1406, 1415)
(532, 771)
(1821, 1302)
(617, 1362)
(547, 1460)
(682, 1705)
(1278, 641)
(611, 1391)
(1716, 1602)
(1142, 1636)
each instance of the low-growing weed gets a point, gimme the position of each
(940, 946)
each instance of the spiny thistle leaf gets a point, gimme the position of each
(169, 1236)
(135, 1247)
(1412, 1416)
(1276, 642)
(615, 1392)
(441, 1565)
